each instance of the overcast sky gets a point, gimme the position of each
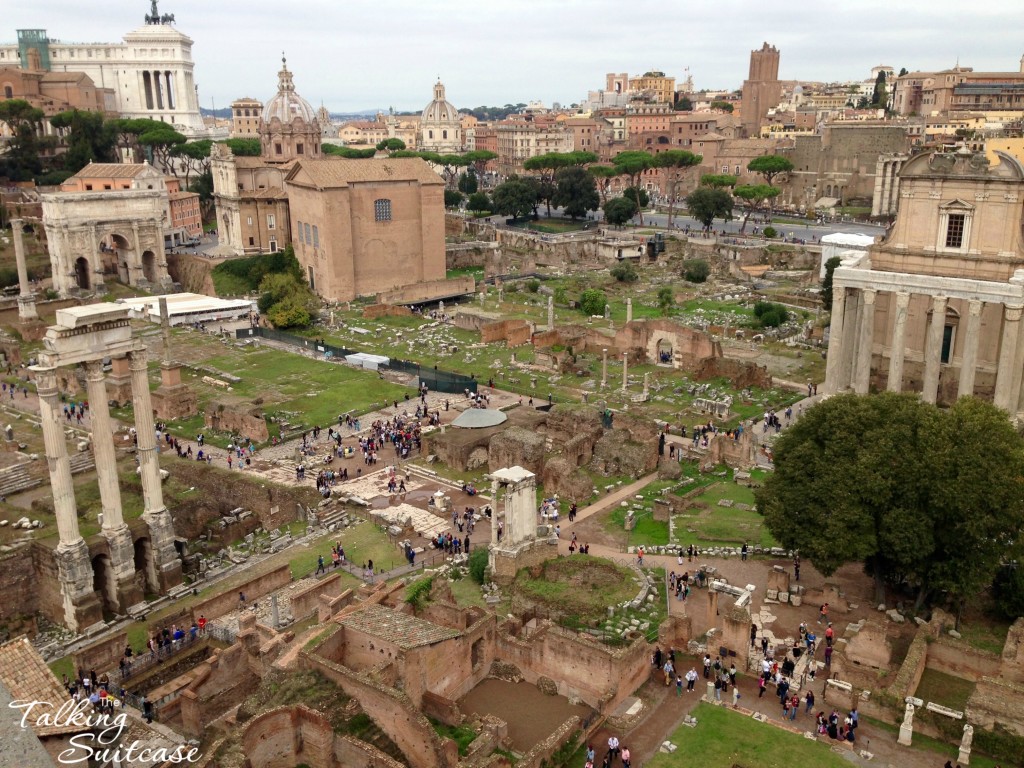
(355, 56)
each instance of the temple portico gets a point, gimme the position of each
(110, 581)
(936, 308)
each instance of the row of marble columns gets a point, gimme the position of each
(156, 85)
(72, 553)
(850, 348)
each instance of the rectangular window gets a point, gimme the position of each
(252, 241)
(947, 344)
(88, 187)
(271, 221)
(725, 169)
(316, 236)
(273, 246)
(955, 230)
(382, 210)
(248, 220)
(309, 238)
(298, 225)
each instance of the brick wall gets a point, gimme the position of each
(955, 657)
(24, 589)
(103, 654)
(306, 601)
(373, 311)
(428, 291)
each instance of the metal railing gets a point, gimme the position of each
(152, 659)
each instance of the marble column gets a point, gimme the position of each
(969, 359)
(61, 486)
(164, 568)
(834, 380)
(866, 332)
(125, 587)
(604, 368)
(1007, 355)
(647, 384)
(494, 513)
(629, 310)
(26, 299)
(551, 312)
(625, 370)
(135, 273)
(933, 350)
(74, 567)
(898, 347)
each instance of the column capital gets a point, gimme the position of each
(93, 370)
(17, 224)
(46, 379)
(869, 295)
(1013, 312)
(902, 299)
(939, 302)
(137, 359)
(974, 307)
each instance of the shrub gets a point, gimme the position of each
(593, 301)
(478, 565)
(770, 232)
(561, 296)
(770, 314)
(452, 198)
(625, 272)
(533, 285)
(418, 592)
(696, 270)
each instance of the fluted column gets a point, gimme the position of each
(58, 464)
(834, 359)
(898, 348)
(1007, 356)
(103, 447)
(494, 513)
(142, 404)
(862, 370)
(625, 370)
(933, 349)
(969, 359)
(604, 368)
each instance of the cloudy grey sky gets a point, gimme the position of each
(364, 55)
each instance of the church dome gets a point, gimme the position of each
(440, 110)
(286, 105)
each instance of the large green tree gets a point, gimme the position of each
(603, 175)
(930, 499)
(769, 167)
(675, 162)
(89, 138)
(752, 197)
(21, 161)
(468, 183)
(632, 164)
(576, 191)
(619, 210)
(193, 157)
(706, 204)
(515, 197)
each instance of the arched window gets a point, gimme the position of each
(382, 210)
(430, 134)
(8, 92)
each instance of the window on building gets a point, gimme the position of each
(947, 343)
(8, 92)
(316, 236)
(298, 225)
(252, 241)
(382, 210)
(725, 169)
(273, 246)
(737, 170)
(309, 237)
(430, 134)
(277, 149)
(444, 134)
(298, 149)
(955, 230)
(248, 220)
(271, 221)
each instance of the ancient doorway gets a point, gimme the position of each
(146, 565)
(82, 273)
(664, 352)
(149, 266)
(125, 257)
(104, 583)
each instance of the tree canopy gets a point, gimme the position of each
(718, 180)
(770, 166)
(390, 145)
(751, 196)
(593, 301)
(675, 162)
(929, 499)
(575, 191)
(515, 197)
(707, 204)
(725, 106)
(826, 282)
(478, 203)
(619, 210)
(89, 136)
(21, 161)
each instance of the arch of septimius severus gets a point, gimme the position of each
(936, 307)
(130, 561)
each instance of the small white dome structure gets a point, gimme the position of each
(440, 129)
(289, 128)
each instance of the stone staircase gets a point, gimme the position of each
(18, 478)
(372, 734)
(82, 461)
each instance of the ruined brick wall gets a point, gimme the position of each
(27, 588)
(514, 333)
(428, 290)
(507, 564)
(393, 713)
(221, 682)
(517, 446)
(997, 701)
(956, 657)
(103, 654)
(599, 675)
(373, 311)
(306, 601)
(296, 735)
(741, 373)
(244, 420)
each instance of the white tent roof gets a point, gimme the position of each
(849, 239)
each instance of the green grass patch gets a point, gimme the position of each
(460, 734)
(988, 636)
(580, 586)
(553, 225)
(648, 531)
(712, 525)
(947, 690)
(725, 739)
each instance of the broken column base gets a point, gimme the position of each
(165, 571)
(175, 402)
(31, 329)
(506, 562)
(82, 607)
(906, 735)
(122, 558)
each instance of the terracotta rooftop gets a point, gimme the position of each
(340, 172)
(403, 630)
(26, 676)
(111, 171)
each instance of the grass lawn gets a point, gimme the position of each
(314, 389)
(467, 592)
(554, 225)
(461, 734)
(724, 739)
(948, 690)
(728, 526)
(987, 635)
